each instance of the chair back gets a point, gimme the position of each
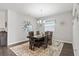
(37, 33)
(49, 36)
(31, 33)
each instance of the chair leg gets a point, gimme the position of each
(30, 46)
(33, 48)
(50, 42)
(45, 46)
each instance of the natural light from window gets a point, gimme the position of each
(49, 25)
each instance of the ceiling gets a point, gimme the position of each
(38, 9)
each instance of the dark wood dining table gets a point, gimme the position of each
(38, 39)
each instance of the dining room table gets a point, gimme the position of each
(38, 39)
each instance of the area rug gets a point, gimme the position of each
(23, 50)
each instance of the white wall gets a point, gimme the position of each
(16, 32)
(76, 37)
(76, 30)
(63, 32)
(3, 19)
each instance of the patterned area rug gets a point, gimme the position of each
(23, 50)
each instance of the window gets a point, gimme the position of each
(49, 25)
(29, 28)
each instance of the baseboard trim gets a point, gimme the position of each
(64, 41)
(15, 44)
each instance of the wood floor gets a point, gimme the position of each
(66, 51)
(4, 51)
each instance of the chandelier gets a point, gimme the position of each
(41, 21)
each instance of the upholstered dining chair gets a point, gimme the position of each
(31, 33)
(31, 40)
(49, 36)
(45, 42)
(37, 33)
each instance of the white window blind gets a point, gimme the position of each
(49, 25)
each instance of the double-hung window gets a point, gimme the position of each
(49, 25)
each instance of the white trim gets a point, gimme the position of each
(63, 41)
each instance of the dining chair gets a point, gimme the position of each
(45, 42)
(49, 36)
(31, 40)
(37, 33)
(31, 33)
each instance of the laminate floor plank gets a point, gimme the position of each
(67, 50)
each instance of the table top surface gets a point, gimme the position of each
(39, 36)
(36, 36)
